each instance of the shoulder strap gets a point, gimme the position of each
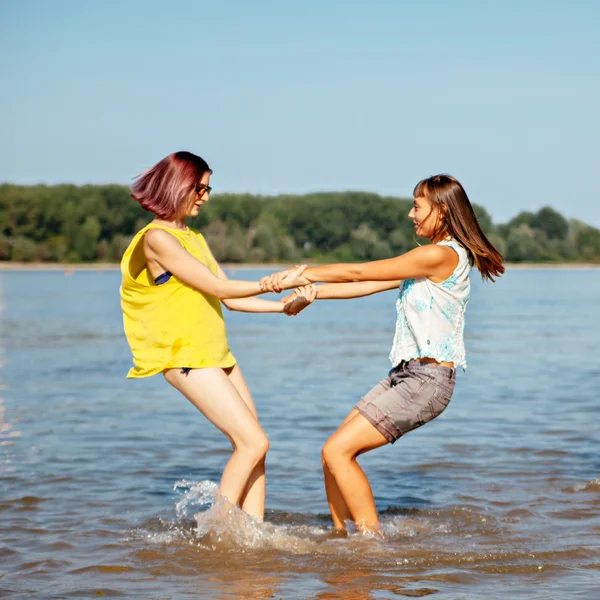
(462, 253)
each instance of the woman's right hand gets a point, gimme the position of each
(285, 280)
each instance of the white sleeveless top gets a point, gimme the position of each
(431, 316)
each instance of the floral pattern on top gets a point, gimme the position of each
(430, 316)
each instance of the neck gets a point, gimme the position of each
(441, 236)
(173, 223)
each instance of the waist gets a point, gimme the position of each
(427, 361)
(427, 366)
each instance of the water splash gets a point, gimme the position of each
(222, 527)
(208, 521)
(195, 494)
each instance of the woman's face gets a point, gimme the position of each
(200, 195)
(426, 217)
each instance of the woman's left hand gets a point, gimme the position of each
(299, 300)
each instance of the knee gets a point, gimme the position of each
(331, 455)
(263, 447)
(257, 449)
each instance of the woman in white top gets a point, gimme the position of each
(428, 343)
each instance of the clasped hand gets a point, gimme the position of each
(284, 280)
(299, 299)
(302, 297)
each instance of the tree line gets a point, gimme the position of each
(90, 223)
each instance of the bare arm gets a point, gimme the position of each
(253, 305)
(435, 262)
(426, 261)
(291, 305)
(250, 305)
(301, 300)
(358, 289)
(162, 248)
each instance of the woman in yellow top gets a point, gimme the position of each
(171, 294)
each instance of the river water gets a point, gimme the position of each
(107, 485)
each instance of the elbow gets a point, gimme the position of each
(220, 292)
(228, 305)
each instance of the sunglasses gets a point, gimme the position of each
(203, 189)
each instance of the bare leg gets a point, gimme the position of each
(339, 454)
(215, 396)
(253, 497)
(340, 513)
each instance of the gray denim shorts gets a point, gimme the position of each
(411, 395)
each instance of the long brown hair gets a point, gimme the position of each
(459, 221)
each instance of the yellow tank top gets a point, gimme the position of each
(171, 325)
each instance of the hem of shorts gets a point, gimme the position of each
(132, 374)
(379, 426)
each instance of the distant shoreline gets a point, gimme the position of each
(72, 267)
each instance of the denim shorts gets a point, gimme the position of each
(411, 395)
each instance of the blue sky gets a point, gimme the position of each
(306, 96)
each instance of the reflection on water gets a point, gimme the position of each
(108, 486)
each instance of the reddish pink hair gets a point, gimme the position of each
(164, 189)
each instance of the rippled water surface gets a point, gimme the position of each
(107, 485)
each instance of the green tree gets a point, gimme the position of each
(57, 248)
(523, 218)
(215, 234)
(552, 223)
(266, 238)
(23, 250)
(399, 241)
(522, 245)
(86, 239)
(381, 249)
(362, 242)
(484, 218)
(498, 242)
(270, 237)
(4, 247)
(75, 223)
(118, 245)
(237, 244)
(586, 241)
(103, 251)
